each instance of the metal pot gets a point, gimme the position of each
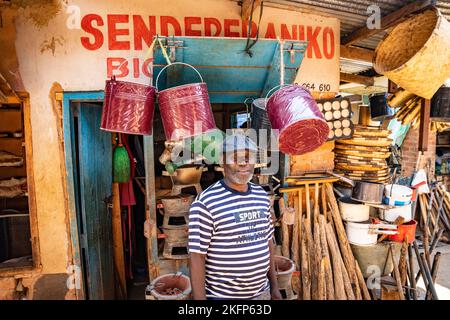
(159, 287)
(379, 109)
(369, 192)
(352, 210)
(440, 105)
(365, 233)
(186, 175)
(284, 268)
(392, 214)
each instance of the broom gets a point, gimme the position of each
(121, 163)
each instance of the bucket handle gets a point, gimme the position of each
(176, 63)
(268, 93)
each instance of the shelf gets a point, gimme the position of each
(443, 146)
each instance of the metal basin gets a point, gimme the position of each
(375, 257)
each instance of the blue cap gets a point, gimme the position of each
(238, 141)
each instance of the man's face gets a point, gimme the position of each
(239, 165)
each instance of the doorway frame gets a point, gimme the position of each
(68, 99)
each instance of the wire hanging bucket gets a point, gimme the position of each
(185, 109)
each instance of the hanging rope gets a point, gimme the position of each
(249, 34)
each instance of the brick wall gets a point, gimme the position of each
(410, 153)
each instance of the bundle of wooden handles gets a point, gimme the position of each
(318, 245)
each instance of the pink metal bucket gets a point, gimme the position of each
(185, 110)
(294, 112)
(128, 107)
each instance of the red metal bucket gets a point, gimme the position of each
(128, 107)
(185, 110)
(294, 112)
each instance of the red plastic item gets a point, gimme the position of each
(128, 107)
(295, 113)
(183, 108)
(405, 230)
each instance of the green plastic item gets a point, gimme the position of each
(121, 165)
(208, 144)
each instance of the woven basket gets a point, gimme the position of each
(416, 53)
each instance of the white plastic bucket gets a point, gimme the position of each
(397, 195)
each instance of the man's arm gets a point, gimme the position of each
(200, 233)
(274, 290)
(197, 271)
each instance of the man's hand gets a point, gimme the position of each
(275, 293)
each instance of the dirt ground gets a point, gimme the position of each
(443, 277)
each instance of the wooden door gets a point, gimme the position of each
(94, 154)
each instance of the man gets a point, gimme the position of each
(231, 234)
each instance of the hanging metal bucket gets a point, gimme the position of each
(416, 53)
(294, 112)
(379, 109)
(185, 110)
(128, 107)
(260, 121)
(440, 105)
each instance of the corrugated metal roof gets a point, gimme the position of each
(353, 66)
(353, 15)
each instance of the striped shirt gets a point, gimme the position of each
(232, 229)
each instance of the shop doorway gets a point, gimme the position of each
(91, 155)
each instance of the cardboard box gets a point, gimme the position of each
(321, 159)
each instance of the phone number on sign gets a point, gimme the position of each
(317, 87)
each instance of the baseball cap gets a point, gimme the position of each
(237, 142)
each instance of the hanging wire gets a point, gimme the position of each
(249, 34)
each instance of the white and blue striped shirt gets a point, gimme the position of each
(232, 229)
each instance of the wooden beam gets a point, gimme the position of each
(347, 77)
(246, 11)
(355, 53)
(7, 94)
(424, 128)
(387, 21)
